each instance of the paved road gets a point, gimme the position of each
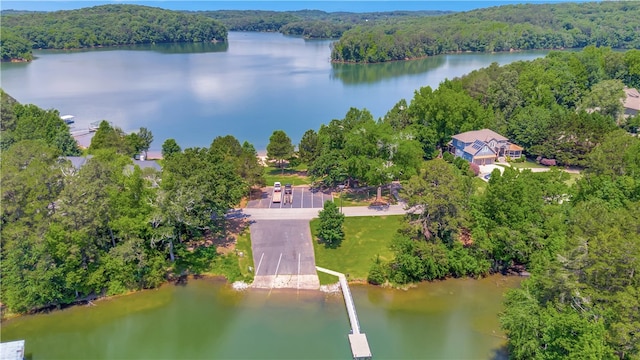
(303, 197)
(256, 214)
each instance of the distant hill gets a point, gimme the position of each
(109, 25)
(313, 24)
(503, 28)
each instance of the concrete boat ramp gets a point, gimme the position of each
(283, 255)
(284, 258)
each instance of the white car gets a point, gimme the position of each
(277, 186)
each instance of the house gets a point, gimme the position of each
(631, 102)
(483, 147)
(78, 161)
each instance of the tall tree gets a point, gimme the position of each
(169, 148)
(146, 138)
(279, 147)
(308, 148)
(440, 198)
(331, 221)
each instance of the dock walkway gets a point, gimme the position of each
(358, 341)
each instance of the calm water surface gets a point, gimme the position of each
(206, 319)
(256, 84)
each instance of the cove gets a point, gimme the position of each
(207, 319)
(255, 84)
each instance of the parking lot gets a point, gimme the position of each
(302, 197)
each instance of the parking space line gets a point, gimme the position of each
(259, 263)
(298, 286)
(276, 273)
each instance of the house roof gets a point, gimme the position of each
(477, 148)
(78, 161)
(484, 135)
(514, 147)
(147, 164)
(632, 100)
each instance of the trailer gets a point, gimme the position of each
(288, 194)
(277, 192)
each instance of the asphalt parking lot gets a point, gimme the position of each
(303, 197)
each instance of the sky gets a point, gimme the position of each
(286, 5)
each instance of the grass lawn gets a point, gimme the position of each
(365, 238)
(480, 185)
(528, 165)
(362, 198)
(294, 176)
(243, 244)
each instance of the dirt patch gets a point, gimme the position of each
(225, 241)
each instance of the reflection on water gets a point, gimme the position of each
(163, 48)
(206, 319)
(372, 73)
(192, 93)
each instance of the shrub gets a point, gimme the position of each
(376, 273)
(447, 156)
(475, 169)
(548, 162)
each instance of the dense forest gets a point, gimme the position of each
(504, 28)
(311, 24)
(104, 25)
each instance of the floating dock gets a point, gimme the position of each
(358, 341)
(13, 350)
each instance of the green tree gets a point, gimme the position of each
(440, 198)
(146, 138)
(112, 138)
(31, 179)
(279, 147)
(330, 229)
(169, 148)
(34, 123)
(309, 147)
(606, 98)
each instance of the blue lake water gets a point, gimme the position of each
(258, 83)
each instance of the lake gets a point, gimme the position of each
(258, 83)
(207, 319)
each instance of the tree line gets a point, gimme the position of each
(105, 25)
(71, 233)
(311, 24)
(503, 28)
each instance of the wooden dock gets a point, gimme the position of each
(358, 341)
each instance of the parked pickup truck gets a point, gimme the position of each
(288, 194)
(277, 192)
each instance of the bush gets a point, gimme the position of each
(475, 169)
(448, 157)
(376, 273)
(548, 162)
